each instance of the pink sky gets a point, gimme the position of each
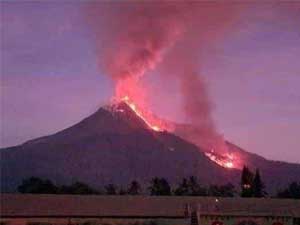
(50, 78)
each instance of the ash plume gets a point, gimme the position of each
(133, 38)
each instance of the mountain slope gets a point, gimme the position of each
(275, 174)
(111, 146)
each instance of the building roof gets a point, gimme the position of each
(33, 205)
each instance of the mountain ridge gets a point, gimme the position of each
(114, 145)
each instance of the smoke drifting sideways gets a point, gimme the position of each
(133, 38)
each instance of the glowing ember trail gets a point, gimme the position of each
(140, 114)
(225, 161)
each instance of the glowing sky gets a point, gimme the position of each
(50, 79)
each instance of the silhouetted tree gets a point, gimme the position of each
(258, 186)
(151, 222)
(195, 189)
(134, 188)
(122, 191)
(78, 188)
(183, 188)
(110, 189)
(159, 186)
(292, 191)
(190, 187)
(37, 186)
(227, 190)
(247, 182)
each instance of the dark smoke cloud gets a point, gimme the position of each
(135, 37)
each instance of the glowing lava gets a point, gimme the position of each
(139, 113)
(225, 160)
(229, 164)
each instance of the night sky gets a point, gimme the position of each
(50, 78)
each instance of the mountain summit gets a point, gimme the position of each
(115, 145)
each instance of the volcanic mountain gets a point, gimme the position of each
(276, 174)
(115, 145)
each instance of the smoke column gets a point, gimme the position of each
(133, 38)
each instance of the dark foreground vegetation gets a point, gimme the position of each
(251, 186)
(151, 222)
(158, 186)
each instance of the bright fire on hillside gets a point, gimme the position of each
(139, 113)
(226, 161)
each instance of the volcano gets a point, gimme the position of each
(115, 145)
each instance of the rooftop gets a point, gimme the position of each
(33, 205)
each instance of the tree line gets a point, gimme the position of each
(158, 186)
(251, 186)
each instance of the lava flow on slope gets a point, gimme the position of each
(226, 160)
(153, 122)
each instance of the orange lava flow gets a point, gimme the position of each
(225, 161)
(140, 114)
